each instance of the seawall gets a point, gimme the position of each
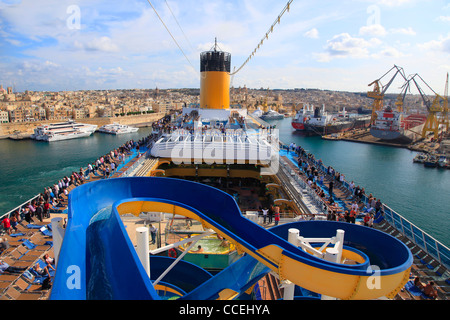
(25, 129)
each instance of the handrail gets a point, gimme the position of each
(37, 196)
(429, 244)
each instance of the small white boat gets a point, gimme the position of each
(420, 158)
(117, 128)
(443, 161)
(272, 115)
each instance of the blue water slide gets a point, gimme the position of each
(238, 277)
(98, 261)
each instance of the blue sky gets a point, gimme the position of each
(121, 44)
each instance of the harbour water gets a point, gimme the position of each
(28, 166)
(419, 194)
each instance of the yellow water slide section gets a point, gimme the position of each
(215, 90)
(334, 284)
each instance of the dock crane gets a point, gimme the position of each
(444, 121)
(379, 90)
(401, 97)
(432, 123)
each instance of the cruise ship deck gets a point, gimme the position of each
(289, 186)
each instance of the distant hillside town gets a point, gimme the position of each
(29, 106)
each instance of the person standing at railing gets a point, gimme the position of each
(270, 214)
(277, 214)
(265, 211)
(7, 225)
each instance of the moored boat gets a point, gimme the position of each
(432, 161)
(391, 125)
(323, 123)
(420, 158)
(117, 128)
(272, 115)
(63, 131)
(443, 161)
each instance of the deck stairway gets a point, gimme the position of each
(144, 168)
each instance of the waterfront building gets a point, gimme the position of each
(4, 117)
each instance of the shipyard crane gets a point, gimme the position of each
(401, 97)
(444, 115)
(379, 90)
(434, 107)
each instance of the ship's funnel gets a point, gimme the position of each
(215, 67)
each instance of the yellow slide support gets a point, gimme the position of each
(341, 285)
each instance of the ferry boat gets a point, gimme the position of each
(63, 131)
(391, 125)
(117, 129)
(272, 115)
(257, 113)
(323, 123)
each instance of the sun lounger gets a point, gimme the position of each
(415, 291)
(27, 243)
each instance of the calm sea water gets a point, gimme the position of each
(419, 194)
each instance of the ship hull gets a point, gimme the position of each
(401, 136)
(67, 137)
(298, 126)
(333, 128)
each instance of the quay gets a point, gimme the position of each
(24, 130)
(363, 136)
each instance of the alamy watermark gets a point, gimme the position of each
(225, 147)
(73, 22)
(374, 13)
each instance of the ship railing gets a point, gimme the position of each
(430, 245)
(19, 207)
(135, 165)
(23, 205)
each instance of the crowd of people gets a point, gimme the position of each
(316, 176)
(54, 198)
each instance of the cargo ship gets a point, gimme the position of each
(391, 125)
(322, 123)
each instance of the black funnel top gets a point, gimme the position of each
(215, 60)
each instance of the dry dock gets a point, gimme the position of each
(364, 136)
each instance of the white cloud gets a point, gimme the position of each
(312, 34)
(444, 18)
(405, 31)
(442, 44)
(104, 44)
(374, 30)
(394, 3)
(390, 52)
(343, 46)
